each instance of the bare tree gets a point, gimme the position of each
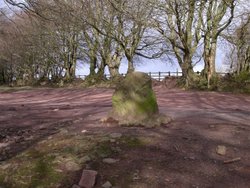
(239, 40)
(217, 17)
(180, 24)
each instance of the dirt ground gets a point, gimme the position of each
(182, 153)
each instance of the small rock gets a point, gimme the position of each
(103, 120)
(72, 166)
(88, 179)
(42, 127)
(76, 121)
(112, 140)
(84, 131)
(85, 159)
(55, 110)
(76, 186)
(63, 131)
(107, 185)
(29, 138)
(4, 167)
(115, 135)
(110, 160)
(221, 150)
(192, 158)
(211, 126)
(136, 176)
(3, 145)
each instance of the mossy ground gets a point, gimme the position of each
(43, 165)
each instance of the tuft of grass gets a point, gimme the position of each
(103, 150)
(44, 174)
(132, 142)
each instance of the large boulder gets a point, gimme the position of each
(134, 102)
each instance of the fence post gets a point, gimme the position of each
(177, 73)
(169, 74)
(159, 76)
(150, 75)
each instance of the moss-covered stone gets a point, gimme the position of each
(134, 102)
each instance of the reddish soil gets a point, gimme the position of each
(180, 154)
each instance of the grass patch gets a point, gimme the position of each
(44, 165)
(103, 150)
(132, 142)
(30, 173)
(6, 89)
(44, 174)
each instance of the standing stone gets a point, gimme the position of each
(134, 102)
(88, 178)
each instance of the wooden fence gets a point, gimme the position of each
(157, 75)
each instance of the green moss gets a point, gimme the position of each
(71, 150)
(2, 178)
(149, 104)
(103, 150)
(136, 105)
(132, 142)
(44, 174)
(134, 101)
(28, 172)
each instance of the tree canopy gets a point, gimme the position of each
(46, 39)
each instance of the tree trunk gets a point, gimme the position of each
(114, 65)
(187, 70)
(209, 60)
(114, 72)
(92, 67)
(130, 65)
(130, 61)
(101, 70)
(73, 59)
(2, 80)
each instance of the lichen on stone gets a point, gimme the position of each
(134, 102)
